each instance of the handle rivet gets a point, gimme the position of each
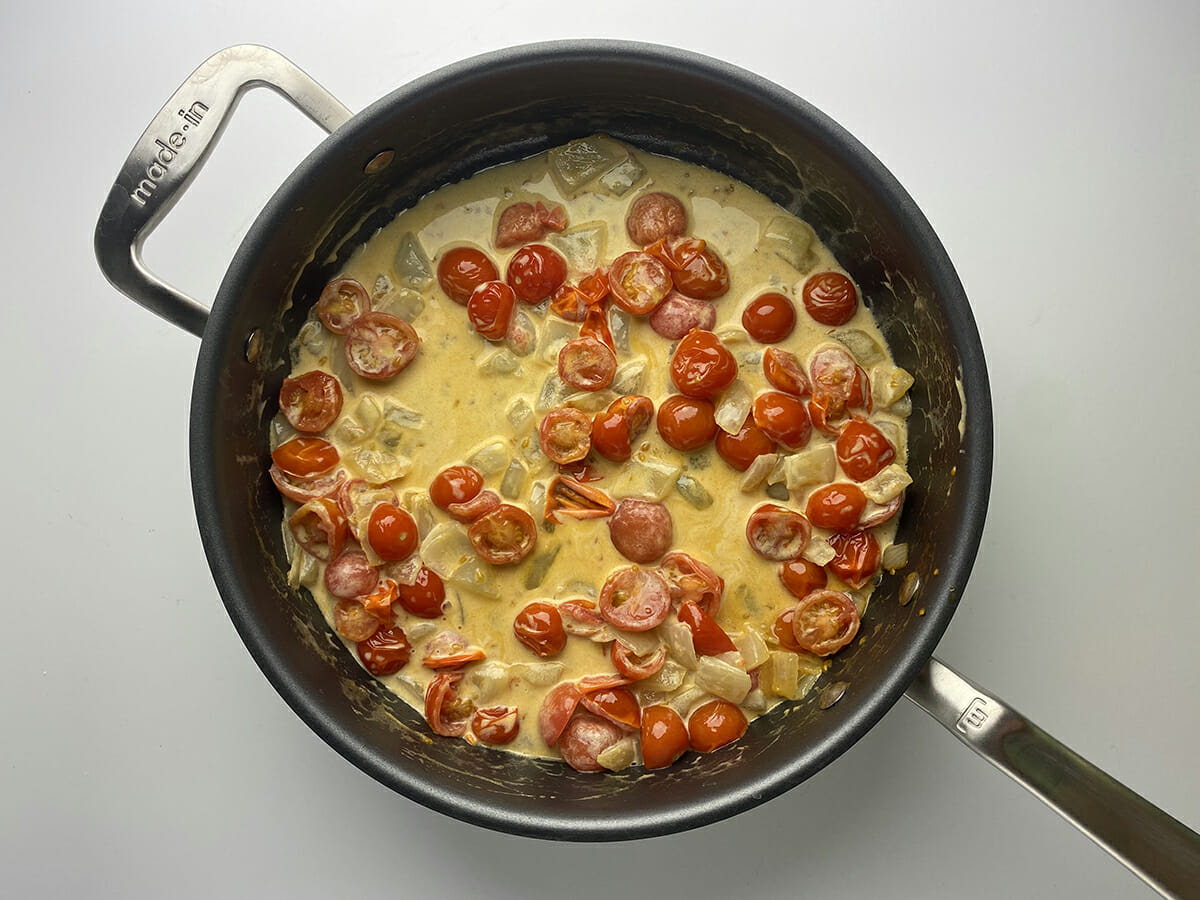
(379, 162)
(254, 345)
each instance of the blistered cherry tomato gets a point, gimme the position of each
(708, 638)
(311, 402)
(638, 282)
(447, 713)
(824, 622)
(496, 725)
(504, 536)
(587, 364)
(862, 450)
(352, 621)
(305, 457)
(641, 530)
(664, 736)
(522, 222)
(705, 276)
(715, 724)
(769, 317)
(618, 705)
(462, 269)
(652, 217)
(830, 298)
(490, 309)
(801, 577)
(629, 665)
(742, 448)
(535, 272)
(584, 739)
(686, 424)
(857, 558)
(455, 484)
(784, 372)
(350, 575)
(320, 527)
(565, 434)
(539, 626)
(783, 417)
(380, 346)
(391, 532)
(777, 533)
(557, 707)
(688, 579)
(702, 366)
(678, 314)
(615, 430)
(426, 596)
(783, 631)
(635, 599)
(836, 506)
(341, 303)
(385, 652)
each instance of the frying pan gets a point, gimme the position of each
(504, 106)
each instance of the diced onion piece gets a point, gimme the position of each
(791, 240)
(693, 492)
(556, 332)
(590, 401)
(401, 415)
(621, 178)
(784, 674)
(756, 475)
(753, 648)
(864, 348)
(488, 677)
(519, 415)
(889, 385)
(513, 481)
(379, 466)
(446, 548)
(348, 431)
(490, 459)
(405, 571)
(756, 701)
(553, 391)
(678, 638)
(539, 568)
(619, 325)
(502, 362)
(732, 334)
(417, 631)
(733, 407)
(818, 551)
(816, 465)
(809, 663)
(630, 377)
(620, 755)
(314, 338)
(582, 246)
(645, 477)
(580, 161)
(414, 688)
(476, 576)
(687, 700)
(887, 484)
(666, 680)
(804, 685)
(368, 413)
(539, 674)
(418, 505)
(894, 556)
(641, 643)
(412, 263)
(402, 302)
(303, 570)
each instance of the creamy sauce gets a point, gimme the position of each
(467, 400)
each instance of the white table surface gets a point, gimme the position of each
(1056, 154)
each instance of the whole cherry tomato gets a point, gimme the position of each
(504, 536)
(857, 558)
(769, 317)
(587, 364)
(615, 430)
(830, 298)
(638, 282)
(305, 457)
(311, 402)
(862, 450)
(455, 484)
(685, 423)
(715, 724)
(705, 276)
(385, 652)
(341, 302)
(702, 366)
(391, 532)
(654, 216)
(824, 622)
(742, 448)
(777, 533)
(426, 596)
(496, 725)
(539, 626)
(490, 309)
(462, 269)
(535, 272)
(783, 418)
(836, 506)
(565, 434)
(801, 577)
(664, 736)
(784, 372)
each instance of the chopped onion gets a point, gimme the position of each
(412, 263)
(678, 638)
(791, 240)
(446, 548)
(733, 407)
(894, 556)
(861, 345)
(620, 755)
(582, 246)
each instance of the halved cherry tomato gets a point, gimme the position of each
(535, 272)
(654, 216)
(784, 372)
(784, 632)
(824, 622)
(715, 724)
(470, 510)
(830, 298)
(311, 402)
(664, 736)
(769, 317)
(574, 303)
(708, 638)
(701, 366)
(320, 528)
(584, 739)
(352, 621)
(783, 418)
(305, 457)
(496, 725)
(638, 282)
(688, 579)
(379, 602)
(641, 530)
(539, 626)
(705, 276)
(777, 533)
(839, 385)
(635, 599)
(447, 713)
(351, 575)
(380, 346)
(391, 532)
(676, 251)
(341, 303)
(615, 430)
(618, 705)
(857, 558)
(748, 444)
(455, 484)
(801, 577)
(556, 711)
(836, 506)
(490, 309)
(685, 423)
(304, 489)
(565, 434)
(587, 364)
(449, 650)
(629, 665)
(504, 536)
(862, 450)
(385, 652)
(462, 269)
(426, 596)
(522, 222)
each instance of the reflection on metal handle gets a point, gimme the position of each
(169, 155)
(1159, 849)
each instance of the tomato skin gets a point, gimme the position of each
(688, 579)
(504, 536)
(639, 282)
(839, 385)
(685, 423)
(303, 490)
(641, 530)
(380, 346)
(862, 450)
(824, 622)
(708, 638)
(615, 430)
(705, 276)
(320, 528)
(702, 366)
(836, 506)
(769, 317)
(305, 457)
(425, 597)
(783, 418)
(391, 532)
(742, 448)
(539, 626)
(830, 298)
(777, 533)
(784, 372)
(635, 599)
(535, 272)
(783, 631)
(618, 705)
(664, 736)
(565, 435)
(857, 558)
(654, 216)
(801, 577)
(311, 402)
(490, 309)
(385, 652)
(496, 725)
(342, 301)
(455, 484)
(557, 707)
(629, 665)
(587, 364)
(462, 269)
(715, 724)
(446, 714)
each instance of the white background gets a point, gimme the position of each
(1056, 153)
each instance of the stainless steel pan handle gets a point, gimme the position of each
(170, 154)
(1159, 849)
